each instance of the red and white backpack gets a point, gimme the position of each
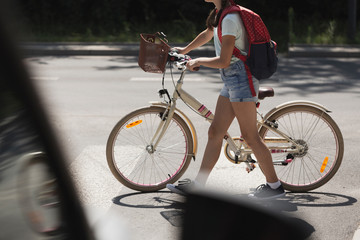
(261, 61)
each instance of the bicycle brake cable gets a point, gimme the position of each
(163, 90)
(163, 78)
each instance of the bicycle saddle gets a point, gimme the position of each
(265, 92)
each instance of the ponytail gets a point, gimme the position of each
(214, 16)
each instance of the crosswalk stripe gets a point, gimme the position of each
(152, 79)
(95, 184)
(45, 78)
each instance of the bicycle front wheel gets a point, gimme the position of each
(132, 159)
(322, 147)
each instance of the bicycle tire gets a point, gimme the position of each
(130, 161)
(324, 147)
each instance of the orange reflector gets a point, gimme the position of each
(323, 166)
(133, 124)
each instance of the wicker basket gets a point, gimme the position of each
(153, 53)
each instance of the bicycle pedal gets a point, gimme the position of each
(287, 161)
(253, 167)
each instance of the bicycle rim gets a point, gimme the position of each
(128, 150)
(323, 146)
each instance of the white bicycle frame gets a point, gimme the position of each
(242, 154)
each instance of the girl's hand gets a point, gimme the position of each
(193, 65)
(180, 50)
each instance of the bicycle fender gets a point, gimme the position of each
(296, 103)
(187, 120)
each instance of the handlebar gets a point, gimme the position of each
(179, 60)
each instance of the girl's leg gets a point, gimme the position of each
(224, 115)
(245, 113)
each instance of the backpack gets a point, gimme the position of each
(261, 61)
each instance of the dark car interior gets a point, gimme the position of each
(37, 197)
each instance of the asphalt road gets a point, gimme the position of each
(86, 96)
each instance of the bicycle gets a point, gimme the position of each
(153, 146)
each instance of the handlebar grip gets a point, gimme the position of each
(197, 69)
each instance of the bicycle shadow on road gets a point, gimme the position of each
(321, 199)
(172, 204)
(292, 201)
(167, 200)
(160, 199)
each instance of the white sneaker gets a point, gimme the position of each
(183, 188)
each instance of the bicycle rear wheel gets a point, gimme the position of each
(322, 141)
(133, 163)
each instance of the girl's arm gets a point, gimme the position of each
(204, 37)
(222, 61)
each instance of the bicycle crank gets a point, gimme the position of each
(235, 156)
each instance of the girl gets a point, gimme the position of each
(235, 100)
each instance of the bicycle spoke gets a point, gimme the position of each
(317, 140)
(134, 160)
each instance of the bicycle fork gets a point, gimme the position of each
(160, 131)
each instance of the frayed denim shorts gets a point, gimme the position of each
(236, 84)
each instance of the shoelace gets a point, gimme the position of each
(261, 187)
(186, 181)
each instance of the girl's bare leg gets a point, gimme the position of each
(224, 115)
(245, 113)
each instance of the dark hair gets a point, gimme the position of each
(214, 16)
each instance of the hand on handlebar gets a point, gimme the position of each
(175, 55)
(193, 65)
(180, 50)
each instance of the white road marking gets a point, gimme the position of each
(45, 78)
(233, 178)
(152, 79)
(95, 184)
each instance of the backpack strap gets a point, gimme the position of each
(236, 51)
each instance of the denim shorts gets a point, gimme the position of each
(236, 84)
